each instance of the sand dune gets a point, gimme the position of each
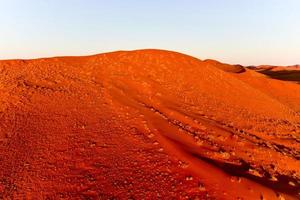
(149, 124)
(226, 67)
(288, 73)
(276, 68)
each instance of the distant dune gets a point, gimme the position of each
(286, 73)
(146, 124)
(276, 68)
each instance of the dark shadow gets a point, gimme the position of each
(281, 185)
(284, 75)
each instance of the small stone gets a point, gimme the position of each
(201, 187)
(255, 173)
(183, 164)
(292, 184)
(273, 178)
(280, 197)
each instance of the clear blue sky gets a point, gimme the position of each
(234, 31)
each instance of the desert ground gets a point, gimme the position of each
(148, 124)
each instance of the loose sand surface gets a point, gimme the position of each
(147, 124)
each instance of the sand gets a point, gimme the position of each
(146, 124)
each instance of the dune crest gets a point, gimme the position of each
(226, 67)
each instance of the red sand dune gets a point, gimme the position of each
(276, 68)
(226, 67)
(147, 124)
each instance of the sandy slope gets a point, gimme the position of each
(146, 124)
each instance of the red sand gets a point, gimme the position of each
(146, 124)
(277, 68)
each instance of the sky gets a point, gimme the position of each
(247, 32)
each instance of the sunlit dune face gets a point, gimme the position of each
(147, 124)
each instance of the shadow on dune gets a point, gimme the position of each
(241, 170)
(284, 75)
